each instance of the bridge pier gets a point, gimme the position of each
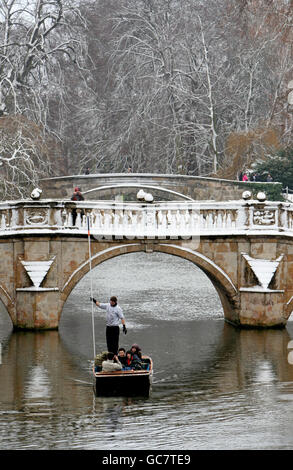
(37, 310)
(262, 309)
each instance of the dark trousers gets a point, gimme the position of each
(112, 338)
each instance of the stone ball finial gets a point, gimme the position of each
(246, 195)
(148, 197)
(261, 196)
(36, 193)
(140, 195)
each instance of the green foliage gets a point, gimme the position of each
(280, 166)
(273, 191)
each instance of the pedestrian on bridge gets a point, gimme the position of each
(114, 314)
(77, 196)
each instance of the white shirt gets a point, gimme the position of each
(110, 366)
(114, 314)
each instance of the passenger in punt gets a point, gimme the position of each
(112, 363)
(128, 362)
(122, 356)
(136, 361)
(99, 359)
(136, 351)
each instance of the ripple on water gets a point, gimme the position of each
(215, 387)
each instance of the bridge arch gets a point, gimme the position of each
(289, 308)
(220, 280)
(6, 312)
(7, 303)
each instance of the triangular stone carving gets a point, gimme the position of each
(37, 270)
(263, 269)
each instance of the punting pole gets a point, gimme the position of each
(91, 283)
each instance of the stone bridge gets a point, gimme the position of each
(182, 187)
(245, 248)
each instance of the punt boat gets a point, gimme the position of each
(125, 382)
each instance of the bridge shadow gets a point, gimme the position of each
(6, 326)
(226, 362)
(42, 373)
(38, 374)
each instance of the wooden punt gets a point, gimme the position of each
(125, 382)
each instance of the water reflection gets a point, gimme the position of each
(5, 330)
(231, 375)
(214, 385)
(255, 355)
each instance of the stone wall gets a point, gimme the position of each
(245, 302)
(195, 187)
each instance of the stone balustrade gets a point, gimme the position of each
(243, 246)
(137, 220)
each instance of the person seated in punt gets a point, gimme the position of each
(99, 359)
(112, 363)
(122, 356)
(138, 361)
(136, 352)
(128, 361)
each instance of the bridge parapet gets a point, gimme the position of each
(137, 220)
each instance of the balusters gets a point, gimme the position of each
(208, 220)
(187, 218)
(162, 222)
(3, 221)
(125, 221)
(68, 218)
(284, 218)
(171, 223)
(140, 223)
(242, 220)
(141, 220)
(98, 219)
(219, 222)
(116, 221)
(132, 222)
(78, 218)
(228, 219)
(150, 221)
(290, 219)
(195, 222)
(14, 218)
(58, 218)
(107, 220)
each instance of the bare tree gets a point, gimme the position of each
(158, 85)
(39, 40)
(25, 156)
(163, 107)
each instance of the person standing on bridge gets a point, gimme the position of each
(77, 196)
(114, 314)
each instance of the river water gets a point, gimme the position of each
(214, 386)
